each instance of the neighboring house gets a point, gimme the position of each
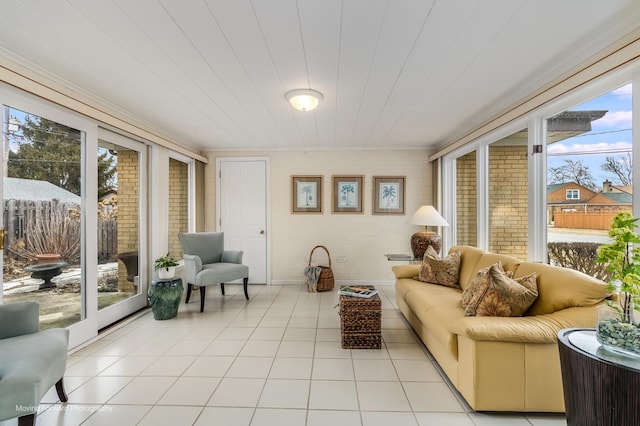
(572, 197)
(26, 199)
(35, 190)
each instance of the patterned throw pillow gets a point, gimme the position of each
(502, 296)
(478, 286)
(440, 271)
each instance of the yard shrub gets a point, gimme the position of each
(578, 256)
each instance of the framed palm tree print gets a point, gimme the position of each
(347, 194)
(306, 194)
(388, 194)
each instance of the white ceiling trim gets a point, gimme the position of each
(34, 85)
(610, 61)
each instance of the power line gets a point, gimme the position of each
(600, 133)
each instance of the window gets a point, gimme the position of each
(466, 200)
(573, 194)
(178, 204)
(587, 158)
(508, 194)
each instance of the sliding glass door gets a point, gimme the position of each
(47, 208)
(74, 217)
(121, 191)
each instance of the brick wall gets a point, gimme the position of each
(128, 210)
(466, 201)
(361, 239)
(508, 200)
(178, 204)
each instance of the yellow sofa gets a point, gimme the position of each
(498, 363)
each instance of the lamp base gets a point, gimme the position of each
(423, 239)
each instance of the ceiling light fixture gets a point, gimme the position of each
(304, 99)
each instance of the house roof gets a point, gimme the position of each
(35, 190)
(618, 197)
(553, 187)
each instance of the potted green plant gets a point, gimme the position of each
(617, 327)
(166, 266)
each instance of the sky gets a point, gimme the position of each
(610, 135)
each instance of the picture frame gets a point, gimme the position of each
(347, 194)
(388, 195)
(306, 194)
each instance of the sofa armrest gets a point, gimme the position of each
(232, 256)
(528, 329)
(192, 265)
(405, 271)
(19, 318)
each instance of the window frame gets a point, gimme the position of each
(574, 191)
(535, 122)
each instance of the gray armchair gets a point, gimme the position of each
(207, 262)
(31, 361)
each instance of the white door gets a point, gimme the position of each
(242, 211)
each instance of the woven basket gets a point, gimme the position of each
(325, 280)
(361, 322)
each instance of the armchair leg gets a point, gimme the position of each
(245, 282)
(189, 288)
(222, 288)
(28, 420)
(202, 298)
(60, 389)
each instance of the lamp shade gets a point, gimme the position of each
(304, 99)
(427, 216)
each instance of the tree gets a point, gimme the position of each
(621, 167)
(347, 189)
(50, 151)
(307, 190)
(572, 171)
(389, 193)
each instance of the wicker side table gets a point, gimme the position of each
(361, 322)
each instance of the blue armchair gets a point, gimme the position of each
(207, 262)
(31, 361)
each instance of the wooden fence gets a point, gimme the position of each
(24, 217)
(584, 220)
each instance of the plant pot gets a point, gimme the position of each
(164, 298)
(615, 334)
(167, 273)
(48, 257)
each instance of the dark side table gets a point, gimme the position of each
(601, 387)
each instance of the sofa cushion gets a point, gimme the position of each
(499, 295)
(440, 271)
(560, 288)
(474, 259)
(435, 305)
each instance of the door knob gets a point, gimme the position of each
(262, 232)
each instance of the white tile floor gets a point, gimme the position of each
(274, 360)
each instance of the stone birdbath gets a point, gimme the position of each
(46, 271)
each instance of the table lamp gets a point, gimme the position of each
(426, 216)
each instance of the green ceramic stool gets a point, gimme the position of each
(164, 297)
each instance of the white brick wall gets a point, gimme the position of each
(362, 239)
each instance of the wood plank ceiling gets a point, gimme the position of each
(212, 74)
